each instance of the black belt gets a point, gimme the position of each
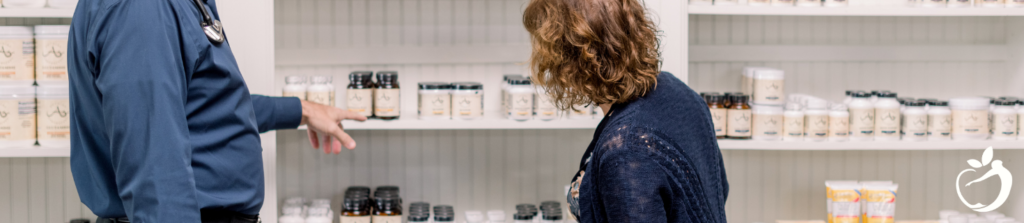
(208, 216)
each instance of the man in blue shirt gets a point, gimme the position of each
(163, 127)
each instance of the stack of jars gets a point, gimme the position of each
(34, 101)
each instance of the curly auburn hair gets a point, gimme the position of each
(592, 51)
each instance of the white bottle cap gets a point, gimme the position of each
(15, 32)
(769, 74)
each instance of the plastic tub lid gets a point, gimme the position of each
(52, 30)
(772, 74)
(17, 90)
(15, 31)
(53, 90)
(970, 103)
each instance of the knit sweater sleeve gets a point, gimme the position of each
(635, 187)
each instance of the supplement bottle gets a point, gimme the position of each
(839, 124)
(359, 93)
(295, 86)
(17, 64)
(435, 100)
(862, 117)
(727, 98)
(793, 130)
(1005, 121)
(321, 91)
(475, 217)
(54, 116)
(767, 122)
(387, 96)
(388, 209)
(903, 102)
(291, 214)
(552, 216)
(887, 117)
(739, 115)
(443, 213)
(356, 210)
(467, 100)
(969, 116)
(520, 99)
(915, 122)
(543, 107)
(1020, 120)
(504, 91)
(718, 114)
(24, 3)
(17, 116)
(769, 87)
(51, 54)
(816, 120)
(319, 214)
(940, 121)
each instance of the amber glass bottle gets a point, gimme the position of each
(739, 116)
(387, 97)
(388, 208)
(356, 209)
(719, 114)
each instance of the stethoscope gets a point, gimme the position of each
(214, 31)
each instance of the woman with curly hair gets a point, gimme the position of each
(654, 157)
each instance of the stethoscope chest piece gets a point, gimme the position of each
(214, 31)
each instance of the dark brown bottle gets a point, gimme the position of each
(739, 116)
(718, 114)
(356, 209)
(388, 208)
(387, 100)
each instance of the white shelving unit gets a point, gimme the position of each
(489, 122)
(728, 144)
(34, 151)
(851, 11)
(36, 13)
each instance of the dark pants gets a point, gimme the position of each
(208, 216)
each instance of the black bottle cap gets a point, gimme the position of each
(887, 94)
(1006, 102)
(79, 220)
(511, 76)
(904, 100)
(447, 218)
(739, 98)
(387, 76)
(467, 86)
(850, 92)
(356, 203)
(418, 218)
(915, 103)
(716, 99)
(520, 81)
(434, 86)
(522, 216)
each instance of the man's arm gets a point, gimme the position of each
(273, 113)
(288, 112)
(142, 78)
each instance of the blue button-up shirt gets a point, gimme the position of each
(163, 124)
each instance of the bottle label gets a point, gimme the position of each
(386, 102)
(839, 126)
(544, 108)
(816, 126)
(767, 125)
(387, 219)
(468, 105)
(298, 94)
(768, 90)
(940, 125)
(435, 105)
(54, 119)
(862, 122)
(915, 126)
(887, 122)
(18, 119)
(17, 60)
(51, 59)
(521, 105)
(970, 122)
(1005, 126)
(355, 219)
(794, 127)
(718, 119)
(356, 100)
(739, 123)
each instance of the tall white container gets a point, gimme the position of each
(17, 64)
(51, 54)
(862, 117)
(1004, 121)
(970, 118)
(887, 117)
(940, 121)
(816, 120)
(793, 120)
(915, 122)
(17, 116)
(769, 87)
(54, 116)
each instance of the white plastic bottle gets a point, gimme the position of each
(291, 214)
(887, 117)
(51, 54)
(54, 116)
(816, 120)
(793, 119)
(769, 87)
(839, 124)
(295, 86)
(17, 66)
(321, 91)
(520, 99)
(862, 117)
(504, 91)
(970, 120)
(543, 108)
(940, 122)
(17, 116)
(1005, 121)
(767, 122)
(915, 122)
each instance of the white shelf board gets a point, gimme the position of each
(806, 53)
(34, 151)
(728, 144)
(489, 122)
(404, 55)
(852, 11)
(37, 12)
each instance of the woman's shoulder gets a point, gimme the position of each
(621, 139)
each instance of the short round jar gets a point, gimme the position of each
(17, 66)
(435, 100)
(51, 54)
(970, 118)
(54, 116)
(467, 100)
(17, 116)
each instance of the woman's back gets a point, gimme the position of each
(654, 159)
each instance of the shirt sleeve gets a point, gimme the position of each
(631, 187)
(142, 76)
(274, 113)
